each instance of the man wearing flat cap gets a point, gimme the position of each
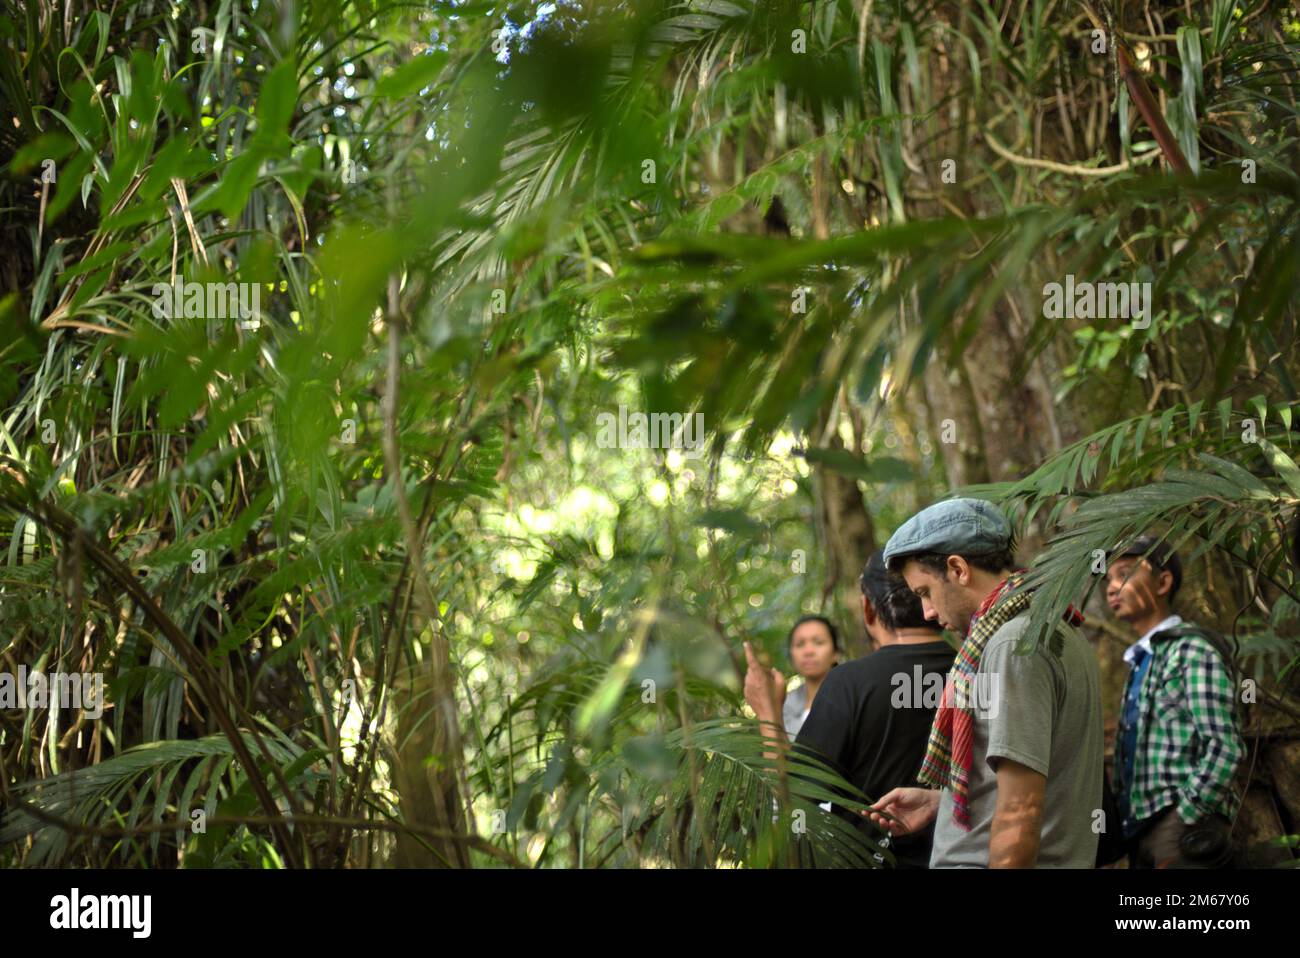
(1013, 767)
(1178, 745)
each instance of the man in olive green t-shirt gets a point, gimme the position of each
(1015, 772)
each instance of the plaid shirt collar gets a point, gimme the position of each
(1170, 622)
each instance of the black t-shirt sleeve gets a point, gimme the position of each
(828, 730)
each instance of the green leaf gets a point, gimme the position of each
(649, 756)
(1225, 414)
(1260, 405)
(881, 469)
(413, 76)
(1166, 422)
(1283, 465)
(839, 460)
(237, 183)
(276, 101)
(1142, 426)
(732, 520)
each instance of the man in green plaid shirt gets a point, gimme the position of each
(1178, 745)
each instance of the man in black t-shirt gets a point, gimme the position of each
(871, 717)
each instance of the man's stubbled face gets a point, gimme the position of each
(944, 601)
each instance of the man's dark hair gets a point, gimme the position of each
(897, 606)
(1159, 556)
(937, 562)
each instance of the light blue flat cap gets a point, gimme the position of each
(951, 527)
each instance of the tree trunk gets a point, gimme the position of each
(425, 775)
(850, 540)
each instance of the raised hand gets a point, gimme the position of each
(764, 687)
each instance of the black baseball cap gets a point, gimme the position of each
(1157, 552)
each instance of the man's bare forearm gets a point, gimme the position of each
(1017, 826)
(1014, 838)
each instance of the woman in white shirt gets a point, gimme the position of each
(814, 649)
